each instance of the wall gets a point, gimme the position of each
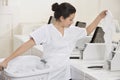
(89, 9)
(5, 34)
(38, 11)
(113, 6)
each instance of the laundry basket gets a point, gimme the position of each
(27, 67)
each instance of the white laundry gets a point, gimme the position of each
(109, 28)
(26, 66)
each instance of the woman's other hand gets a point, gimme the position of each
(3, 65)
(102, 14)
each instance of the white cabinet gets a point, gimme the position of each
(80, 71)
(76, 74)
(88, 77)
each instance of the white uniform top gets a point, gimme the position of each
(57, 48)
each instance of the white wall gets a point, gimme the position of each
(38, 11)
(113, 6)
(34, 11)
(5, 34)
(87, 10)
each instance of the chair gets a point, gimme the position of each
(51, 19)
(80, 24)
(98, 36)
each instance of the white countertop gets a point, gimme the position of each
(97, 74)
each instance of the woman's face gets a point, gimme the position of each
(68, 21)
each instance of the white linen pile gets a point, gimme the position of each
(23, 64)
(26, 68)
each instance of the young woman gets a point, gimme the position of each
(58, 40)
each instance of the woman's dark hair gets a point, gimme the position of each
(64, 9)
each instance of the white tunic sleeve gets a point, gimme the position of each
(82, 32)
(39, 35)
(78, 32)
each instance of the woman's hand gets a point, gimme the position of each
(102, 14)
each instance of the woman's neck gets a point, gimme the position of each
(59, 27)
